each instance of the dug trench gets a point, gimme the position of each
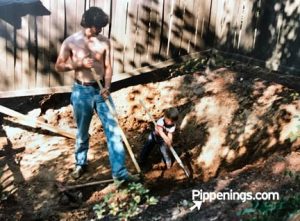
(234, 131)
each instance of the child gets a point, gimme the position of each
(161, 135)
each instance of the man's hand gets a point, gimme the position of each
(104, 93)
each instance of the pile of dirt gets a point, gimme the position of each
(228, 119)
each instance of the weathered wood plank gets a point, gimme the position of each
(155, 28)
(55, 78)
(203, 14)
(126, 39)
(131, 35)
(132, 32)
(188, 21)
(136, 12)
(170, 19)
(5, 82)
(117, 34)
(45, 47)
(40, 52)
(142, 34)
(25, 53)
(16, 55)
(10, 55)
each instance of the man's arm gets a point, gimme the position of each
(107, 66)
(62, 65)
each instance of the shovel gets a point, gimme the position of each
(113, 112)
(170, 147)
(63, 188)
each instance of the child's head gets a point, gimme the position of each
(171, 115)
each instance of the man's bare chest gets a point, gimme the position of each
(92, 48)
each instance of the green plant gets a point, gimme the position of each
(294, 135)
(295, 96)
(293, 175)
(124, 203)
(271, 210)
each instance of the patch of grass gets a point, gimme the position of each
(273, 210)
(124, 203)
(294, 135)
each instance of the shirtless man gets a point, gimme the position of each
(80, 52)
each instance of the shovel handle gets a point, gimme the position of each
(113, 112)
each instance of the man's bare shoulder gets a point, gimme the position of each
(103, 39)
(74, 37)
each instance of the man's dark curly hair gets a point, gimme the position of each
(94, 16)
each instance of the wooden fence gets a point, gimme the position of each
(146, 32)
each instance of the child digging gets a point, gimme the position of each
(161, 135)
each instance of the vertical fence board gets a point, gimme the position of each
(54, 36)
(114, 44)
(132, 29)
(17, 58)
(241, 23)
(71, 17)
(166, 11)
(40, 45)
(30, 44)
(188, 24)
(197, 25)
(80, 9)
(176, 28)
(117, 34)
(266, 37)
(246, 39)
(257, 12)
(236, 24)
(169, 13)
(24, 44)
(9, 55)
(45, 47)
(4, 83)
(155, 27)
(127, 47)
(224, 22)
(72, 20)
(143, 33)
(62, 30)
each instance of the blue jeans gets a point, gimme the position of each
(86, 99)
(152, 140)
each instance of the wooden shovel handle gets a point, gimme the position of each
(113, 112)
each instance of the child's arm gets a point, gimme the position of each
(166, 138)
(170, 136)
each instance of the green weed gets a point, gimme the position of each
(124, 203)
